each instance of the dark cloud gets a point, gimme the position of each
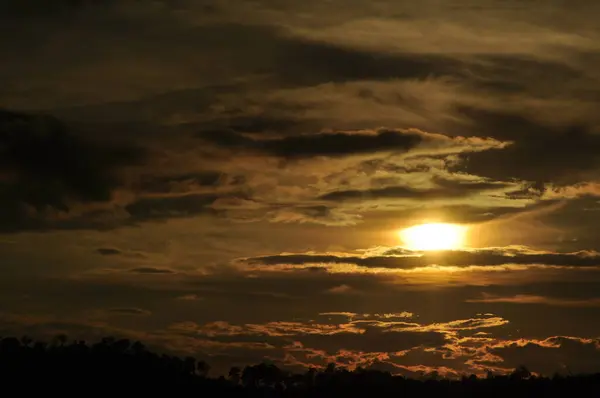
(265, 123)
(543, 153)
(326, 144)
(158, 208)
(446, 190)
(340, 144)
(40, 152)
(46, 166)
(151, 270)
(109, 251)
(309, 62)
(398, 259)
(346, 143)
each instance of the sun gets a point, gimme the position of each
(437, 236)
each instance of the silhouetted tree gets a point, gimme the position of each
(189, 365)
(520, 373)
(235, 374)
(203, 368)
(112, 365)
(60, 340)
(26, 340)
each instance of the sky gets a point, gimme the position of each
(228, 179)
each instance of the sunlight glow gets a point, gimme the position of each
(434, 237)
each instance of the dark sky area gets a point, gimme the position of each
(227, 179)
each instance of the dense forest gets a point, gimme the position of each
(114, 366)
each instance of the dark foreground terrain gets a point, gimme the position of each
(122, 367)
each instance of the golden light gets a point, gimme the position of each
(437, 236)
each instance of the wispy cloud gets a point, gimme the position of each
(532, 299)
(129, 311)
(151, 270)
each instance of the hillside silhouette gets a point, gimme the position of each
(120, 365)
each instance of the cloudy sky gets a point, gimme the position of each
(227, 179)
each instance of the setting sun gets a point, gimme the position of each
(434, 237)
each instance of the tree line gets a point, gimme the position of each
(120, 365)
